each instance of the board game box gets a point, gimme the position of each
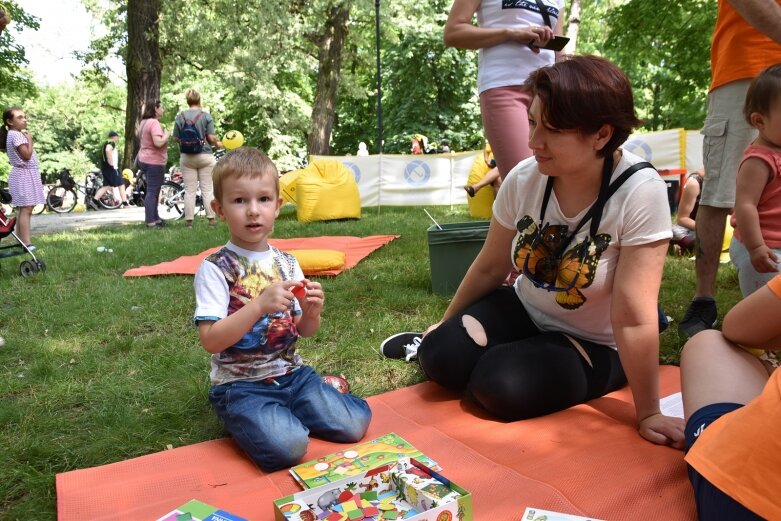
(358, 459)
(401, 489)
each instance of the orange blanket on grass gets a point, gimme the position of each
(354, 248)
(587, 460)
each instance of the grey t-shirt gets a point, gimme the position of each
(205, 125)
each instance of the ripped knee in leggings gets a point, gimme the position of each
(475, 330)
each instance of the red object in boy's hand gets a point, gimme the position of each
(299, 291)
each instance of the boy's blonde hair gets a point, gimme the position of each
(243, 161)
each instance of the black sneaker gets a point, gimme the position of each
(701, 315)
(401, 346)
(124, 204)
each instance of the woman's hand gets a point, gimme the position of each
(662, 430)
(763, 259)
(535, 36)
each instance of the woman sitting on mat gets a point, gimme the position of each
(733, 411)
(587, 225)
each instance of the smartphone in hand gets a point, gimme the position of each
(556, 43)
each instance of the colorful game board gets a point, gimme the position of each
(358, 459)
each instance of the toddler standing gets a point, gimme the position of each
(756, 243)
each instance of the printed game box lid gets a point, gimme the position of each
(358, 459)
(538, 514)
(195, 510)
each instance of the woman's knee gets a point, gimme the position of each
(448, 353)
(529, 379)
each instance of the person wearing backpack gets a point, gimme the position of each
(194, 131)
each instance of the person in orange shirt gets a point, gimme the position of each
(746, 40)
(732, 404)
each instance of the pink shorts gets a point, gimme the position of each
(505, 112)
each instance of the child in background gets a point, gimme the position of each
(24, 180)
(756, 244)
(252, 303)
(491, 177)
(684, 230)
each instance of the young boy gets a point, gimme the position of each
(252, 303)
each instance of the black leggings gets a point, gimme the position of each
(521, 372)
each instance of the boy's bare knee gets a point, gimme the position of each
(475, 330)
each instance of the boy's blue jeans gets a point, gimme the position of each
(272, 422)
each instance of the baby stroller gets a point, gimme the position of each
(27, 268)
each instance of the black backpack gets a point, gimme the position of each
(190, 140)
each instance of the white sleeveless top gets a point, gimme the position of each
(510, 63)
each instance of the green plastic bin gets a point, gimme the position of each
(451, 251)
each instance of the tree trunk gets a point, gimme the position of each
(143, 67)
(573, 27)
(330, 65)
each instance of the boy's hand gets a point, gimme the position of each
(276, 297)
(313, 298)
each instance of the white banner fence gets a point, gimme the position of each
(438, 179)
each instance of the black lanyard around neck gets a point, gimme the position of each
(606, 190)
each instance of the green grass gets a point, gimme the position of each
(99, 368)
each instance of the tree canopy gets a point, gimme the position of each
(300, 76)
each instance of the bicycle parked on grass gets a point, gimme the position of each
(64, 197)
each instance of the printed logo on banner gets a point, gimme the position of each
(355, 169)
(417, 173)
(639, 148)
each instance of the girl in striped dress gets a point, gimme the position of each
(24, 181)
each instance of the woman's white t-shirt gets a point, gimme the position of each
(511, 63)
(638, 213)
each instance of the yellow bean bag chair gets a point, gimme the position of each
(287, 185)
(481, 205)
(325, 190)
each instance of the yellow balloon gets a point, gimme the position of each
(127, 174)
(232, 139)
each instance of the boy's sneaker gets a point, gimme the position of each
(337, 382)
(401, 346)
(700, 315)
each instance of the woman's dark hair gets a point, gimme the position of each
(762, 92)
(583, 93)
(7, 114)
(149, 108)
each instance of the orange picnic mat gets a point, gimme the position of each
(355, 249)
(587, 460)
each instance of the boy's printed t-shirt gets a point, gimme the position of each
(232, 277)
